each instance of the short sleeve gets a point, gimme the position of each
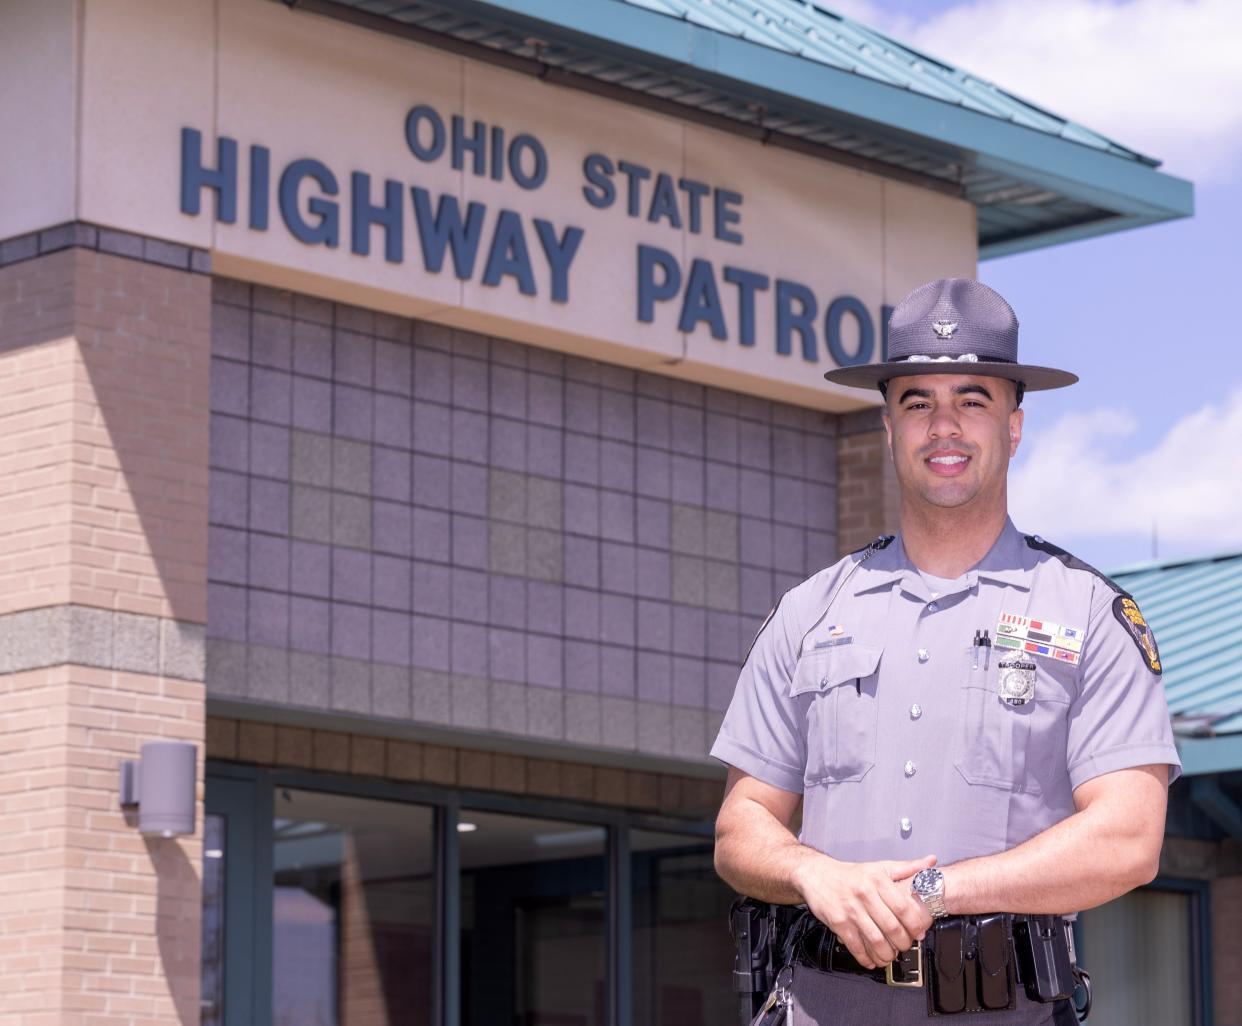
(761, 733)
(1120, 718)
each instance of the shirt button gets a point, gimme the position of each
(932, 606)
(910, 768)
(916, 711)
(906, 825)
(923, 655)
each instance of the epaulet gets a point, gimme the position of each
(871, 548)
(1125, 609)
(1072, 561)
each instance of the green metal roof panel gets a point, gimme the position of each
(819, 34)
(1195, 607)
(792, 73)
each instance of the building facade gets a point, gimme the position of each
(417, 408)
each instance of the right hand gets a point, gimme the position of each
(862, 902)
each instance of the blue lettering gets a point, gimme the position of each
(260, 186)
(634, 173)
(649, 292)
(695, 191)
(446, 229)
(195, 177)
(475, 144)
(498, 153)
(528, 144)
(748, 283)
(435, 148)
(664, 202)
(365, 213)
(837, 309)
(327, 229)
(702, 301)
(560, 254)
(598, 171)
(509, 254)
(788, 321)
(727, 215)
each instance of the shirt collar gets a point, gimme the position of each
(1006, 562)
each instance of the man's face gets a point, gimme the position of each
(952, 437)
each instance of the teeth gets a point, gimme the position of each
(948, 460)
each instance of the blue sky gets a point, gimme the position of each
(1152, 432)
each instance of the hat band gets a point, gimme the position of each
(963, 358)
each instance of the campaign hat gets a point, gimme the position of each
(953, 326)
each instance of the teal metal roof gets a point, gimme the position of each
(1195, 609)
(816, 33)
(793, 74)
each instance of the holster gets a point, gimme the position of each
(969, 965)
(1044, 962)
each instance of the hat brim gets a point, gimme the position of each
(869, 375)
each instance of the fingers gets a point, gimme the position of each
(902, 870)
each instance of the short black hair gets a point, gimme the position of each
(1019, 390)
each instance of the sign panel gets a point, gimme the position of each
(319, 156)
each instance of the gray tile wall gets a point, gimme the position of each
(418, 523)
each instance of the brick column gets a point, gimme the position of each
(104, 376)
(867, 496)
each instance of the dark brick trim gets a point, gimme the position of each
(104, 240)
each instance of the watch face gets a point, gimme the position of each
(927, 881)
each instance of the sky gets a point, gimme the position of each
(1144, 455)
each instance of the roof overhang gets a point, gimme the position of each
(1031, 188)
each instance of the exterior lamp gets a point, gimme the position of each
(161, 786)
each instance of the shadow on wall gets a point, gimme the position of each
(178, 901)
(144, 335)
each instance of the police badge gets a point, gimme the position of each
(1017, 680)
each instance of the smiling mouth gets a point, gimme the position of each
(948, 464)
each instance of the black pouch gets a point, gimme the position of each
(970, 966)
(1044, 958)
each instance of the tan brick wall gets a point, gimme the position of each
(104, 376)
(93, 915)
(1226, 963)
(104, 370)
(867, 496)
(267, 744)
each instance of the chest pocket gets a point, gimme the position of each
(1006, 746)
(838, 686)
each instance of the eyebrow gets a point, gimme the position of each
(923, 393)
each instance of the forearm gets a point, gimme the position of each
(1095, 855)
(757, 855)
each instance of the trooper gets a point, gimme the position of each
(970, 718)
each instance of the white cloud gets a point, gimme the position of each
(1160, 76)
(1079, 479)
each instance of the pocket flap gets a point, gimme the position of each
(825, 668)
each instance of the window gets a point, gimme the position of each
(352, 911)
(533, 922)
(683, 956)
(1143, 954)
(349, 902)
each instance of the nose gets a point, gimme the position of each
(944, 422)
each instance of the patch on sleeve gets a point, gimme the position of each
(1127, 612)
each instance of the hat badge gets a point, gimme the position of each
(944, 329)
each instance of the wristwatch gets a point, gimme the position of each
(928, 887)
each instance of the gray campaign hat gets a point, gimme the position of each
(953, 326)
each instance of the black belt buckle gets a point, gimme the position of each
(906, 970)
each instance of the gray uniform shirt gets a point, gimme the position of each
(883, 714)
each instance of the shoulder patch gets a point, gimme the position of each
(1128, 615)
(1034, 541)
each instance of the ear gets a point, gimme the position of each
(888, 429)
(1015, 432)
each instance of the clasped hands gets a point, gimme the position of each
(868, 905)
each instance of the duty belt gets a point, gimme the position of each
(965, 963)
